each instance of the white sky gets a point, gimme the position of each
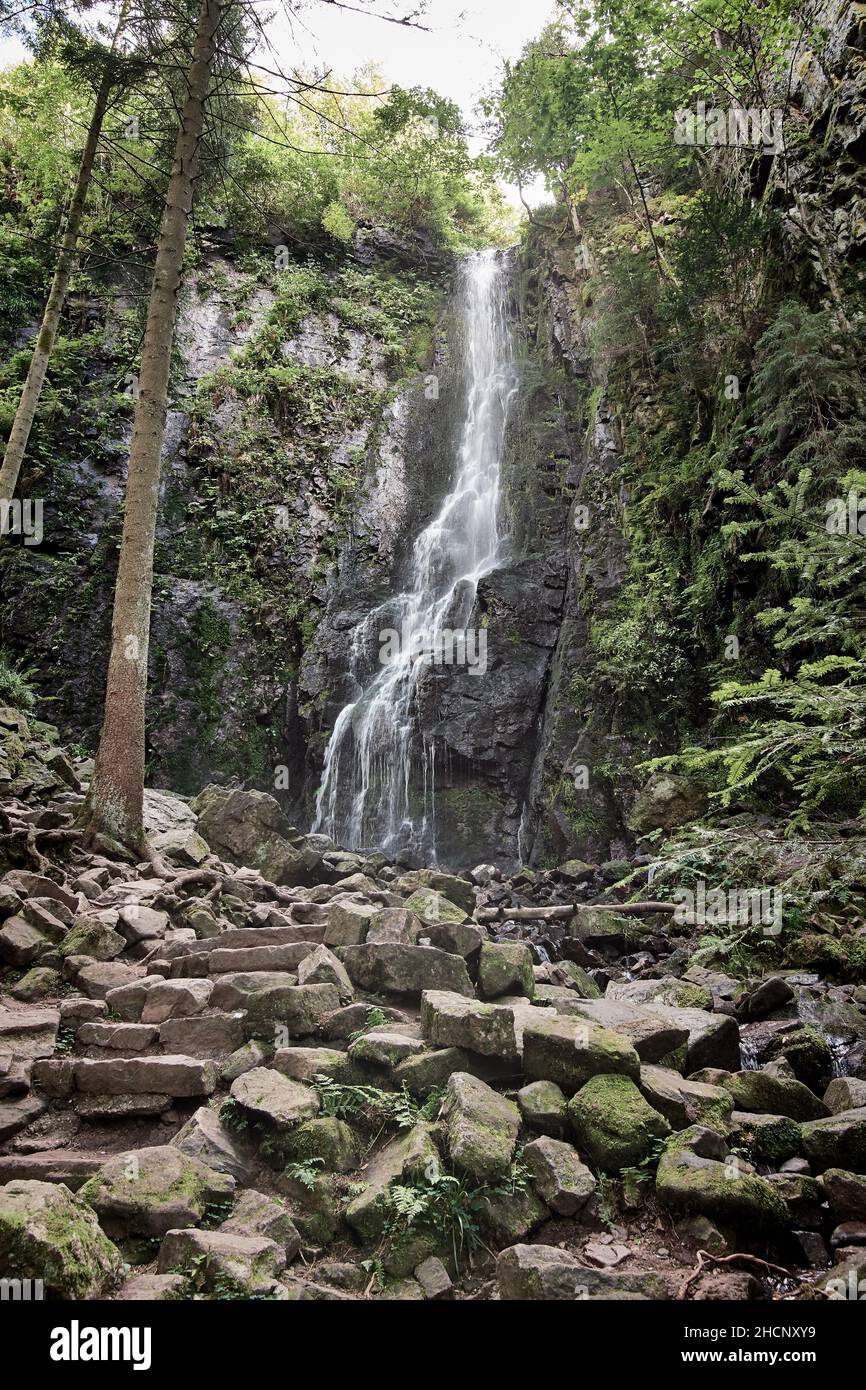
(460, 56)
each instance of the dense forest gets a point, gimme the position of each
(432, 634)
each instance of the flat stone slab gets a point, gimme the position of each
(171, 1076)
(252, 958)
(546, 1273)
(29, 1032)
(118, 1037)
(65, 1166)
(98, 1109)
(206, 1035)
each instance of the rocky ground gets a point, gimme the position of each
(276, 1070)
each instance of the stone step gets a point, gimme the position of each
(173, 1075)
(55, 1165)
(253, 958)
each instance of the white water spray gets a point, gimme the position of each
(368, 795)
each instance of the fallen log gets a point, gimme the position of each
(563, 910)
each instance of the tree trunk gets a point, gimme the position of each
(113, 814)
(29, 402)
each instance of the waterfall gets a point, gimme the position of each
(377, 754)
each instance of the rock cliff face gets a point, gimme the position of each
(313, 431)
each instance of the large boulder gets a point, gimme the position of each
(169, 1076)
(715, 1184)
(686, 1102)
(667, 801)
(561, 1180)
(570, 1051)
(544, 1273)
(505, 968)
(765, 1094)
(481, 1127)
(249, 828)
(449, 1020)
(392, 968)
(205, 1138)
(222, 1262)
(431, 906)
(837, 1142)
(49, 1234)
(268, 1095)
(613, 1124)
(255, 1214)
(846, 1193)
(543, 1106)
(651, 1036)
(457, 890)
(148, 1192)
(321, 967)
(301, 1009)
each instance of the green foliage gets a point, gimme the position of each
(373, 1106)
(374, 1018)
(449, 1208)
(15, 684)
(305, 1172)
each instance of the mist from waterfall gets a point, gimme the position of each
(379, 776)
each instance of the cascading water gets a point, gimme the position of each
(377, 753)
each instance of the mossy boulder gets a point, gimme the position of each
(726, 1192)
(413, 1158)
(48, 1233)
(837, 1142)
(509, 1216)
(667, 801)
(222, 1263)
(807, 1053)
(481, 1128)
(505, 967)
(765, 1138)
(765, 1094)
(313, 1206)
(457, 890)
(328, 1141)
(570, 1051)
(147, 1192)
(543, 1106)
(90, 936)
(38, 983)
(613, 1125)
(434, 907)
